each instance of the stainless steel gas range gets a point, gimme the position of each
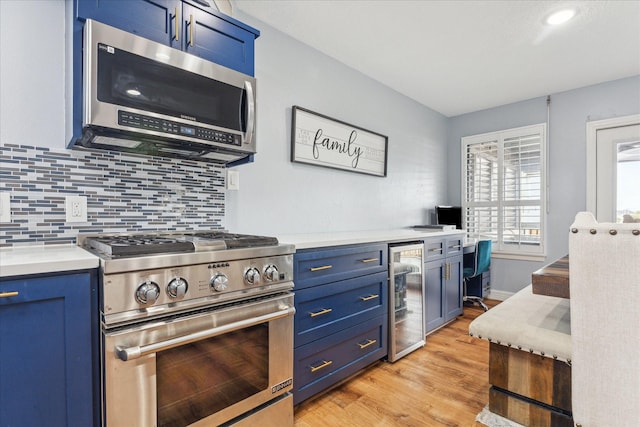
(197, 329)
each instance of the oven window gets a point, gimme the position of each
(202, 378)
(133, 81)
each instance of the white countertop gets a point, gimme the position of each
(42, 259)
(319, 240)
(38, 259)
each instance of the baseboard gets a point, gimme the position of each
(499, 295)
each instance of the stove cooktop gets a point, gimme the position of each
(127, 245)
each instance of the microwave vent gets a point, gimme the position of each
(117, 142)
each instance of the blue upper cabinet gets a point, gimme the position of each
(182, 24)
(219, 39)
(153, 19)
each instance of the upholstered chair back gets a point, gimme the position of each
(604, 265)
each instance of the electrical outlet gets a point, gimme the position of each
(5, 207)
(76, 208)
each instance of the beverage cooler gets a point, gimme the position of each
(406, 301)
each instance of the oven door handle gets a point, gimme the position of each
(132, 353)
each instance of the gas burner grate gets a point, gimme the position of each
(122, 246)
(237, 241)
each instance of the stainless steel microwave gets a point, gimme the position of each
(144, 97)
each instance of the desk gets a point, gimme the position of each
(553, 279)
(469, 247)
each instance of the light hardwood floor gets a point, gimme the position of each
(443, 384)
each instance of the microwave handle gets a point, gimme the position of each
(251, 113)
(136, 352)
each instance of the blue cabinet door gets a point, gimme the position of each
(219, 40)
(48, 339)
(453, 288)
(434, 273)
(156, 20)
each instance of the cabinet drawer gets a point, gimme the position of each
(323, 310)
(454, 246)
(327, 361)
(434, 249)
(316, 267)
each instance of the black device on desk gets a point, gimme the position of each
(449, 215)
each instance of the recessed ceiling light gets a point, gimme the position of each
(561, 16)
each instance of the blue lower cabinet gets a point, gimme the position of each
(342, 306)
(323, 363)
(323, 310)
(48, 351)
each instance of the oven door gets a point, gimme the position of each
(204, 368)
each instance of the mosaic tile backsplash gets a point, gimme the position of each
(125, 193)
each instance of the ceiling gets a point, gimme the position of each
(461, 56)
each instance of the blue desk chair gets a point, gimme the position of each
(481, 263)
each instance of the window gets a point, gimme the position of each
(504, 189)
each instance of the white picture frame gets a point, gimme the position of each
(323, 141)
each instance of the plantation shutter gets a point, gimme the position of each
(482, 189)
(504, 189)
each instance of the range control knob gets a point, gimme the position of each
(271, 273)
(252, 277)
(219, 282)
(148, 293)
(177, 287)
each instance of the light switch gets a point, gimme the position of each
(233, 180)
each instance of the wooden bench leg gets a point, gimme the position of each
(529, 389)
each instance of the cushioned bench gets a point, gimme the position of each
(529, 358)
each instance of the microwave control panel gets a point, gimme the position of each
(141, 121)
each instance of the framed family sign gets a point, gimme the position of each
(322, 141)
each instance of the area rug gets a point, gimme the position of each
(490, 419)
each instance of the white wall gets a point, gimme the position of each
(569, 113)
(278, 196)
(32, 72)
(275, 196)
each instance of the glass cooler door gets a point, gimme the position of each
(406, 311)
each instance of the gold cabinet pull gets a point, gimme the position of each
(191, 30)
(369, 260)
(321, 312)
(324, 364)
(435, 250)
(177, 27)
(454, 247)
(324, 267)
(370, 297)
(367, 344)
(8, 294)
